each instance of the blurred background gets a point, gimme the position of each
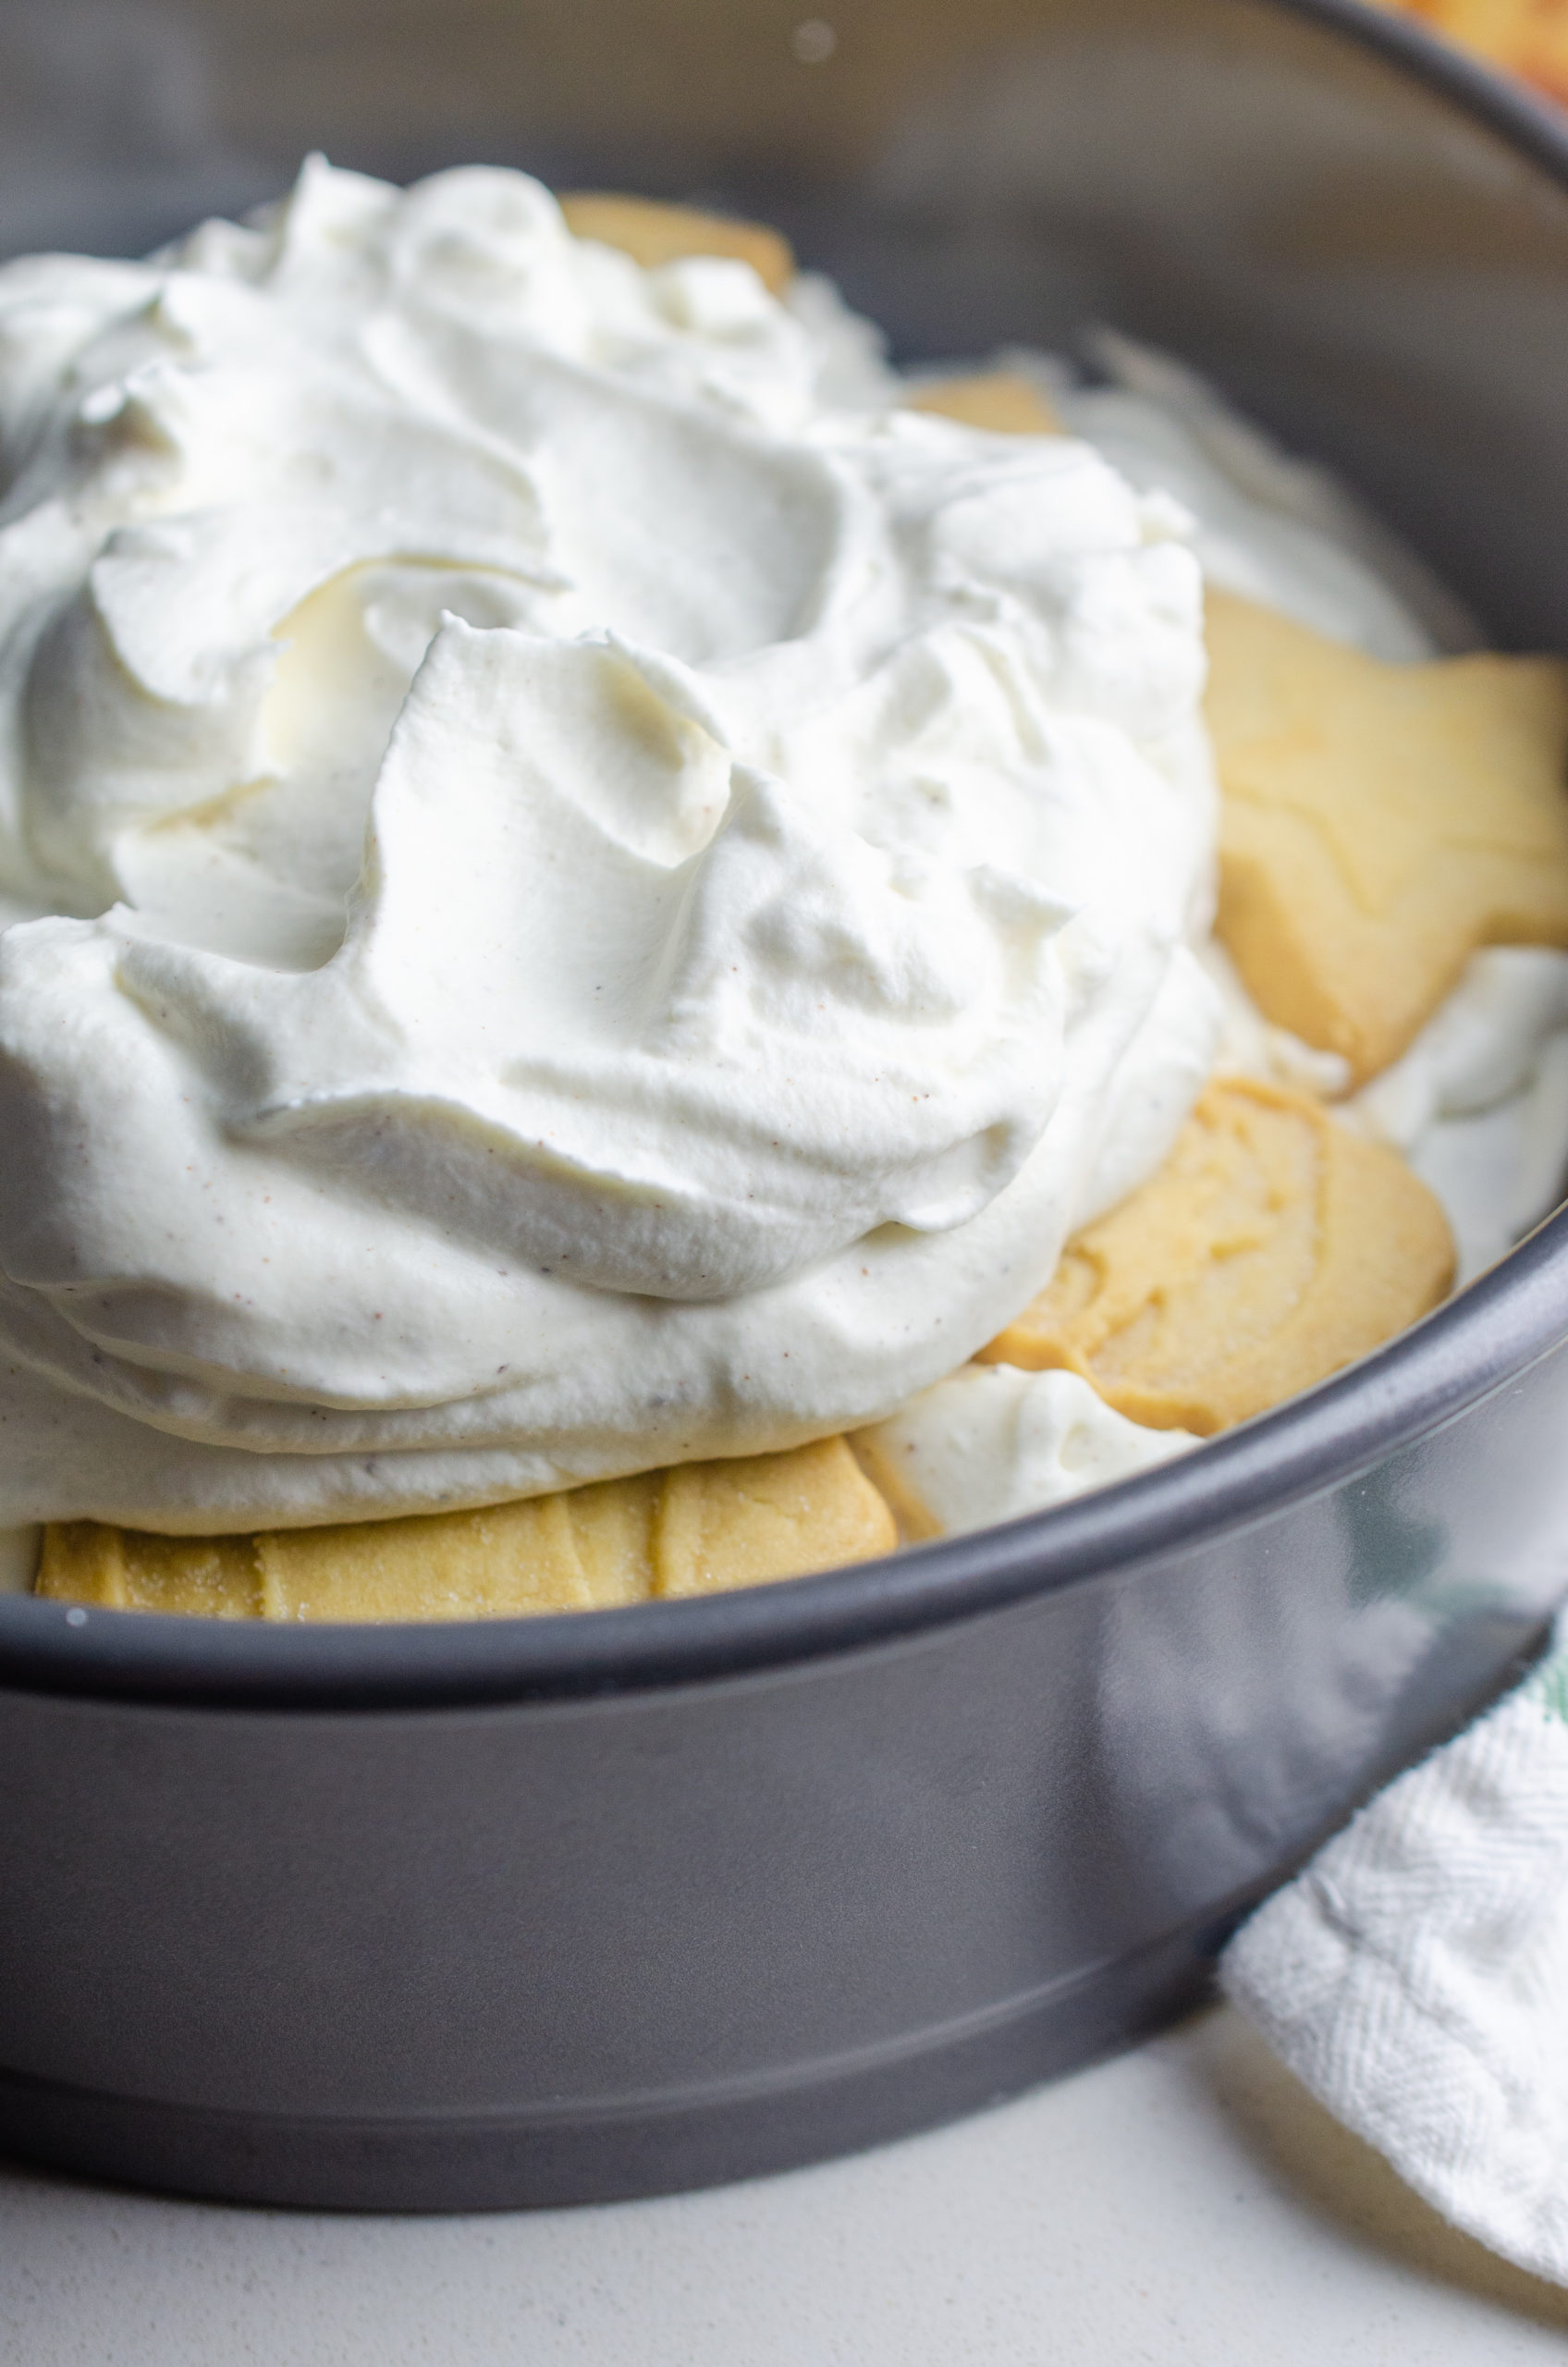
(1332, 241)
(1524, 37)
(121, 120)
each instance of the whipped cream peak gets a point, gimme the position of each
(668, 1028)
(584, 891)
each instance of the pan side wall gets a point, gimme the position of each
(556, 1952)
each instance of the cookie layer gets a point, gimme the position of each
(653, 234)
(1380, 823)
(1002, 401)
(1273, 1247)
(696, 1529)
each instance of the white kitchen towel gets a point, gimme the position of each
(1415, 1976)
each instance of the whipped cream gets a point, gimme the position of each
(1266, 524)
(1478, 1105)
(992, 1443)
(583, 891)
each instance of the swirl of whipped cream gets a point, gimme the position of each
(581, 889)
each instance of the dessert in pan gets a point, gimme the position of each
(644, 957)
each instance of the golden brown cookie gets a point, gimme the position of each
(1273, 1247)
(1003, 401)
(696, 1529)
(653, 234)
(1380, 823)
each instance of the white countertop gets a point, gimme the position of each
(1186, 2204)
